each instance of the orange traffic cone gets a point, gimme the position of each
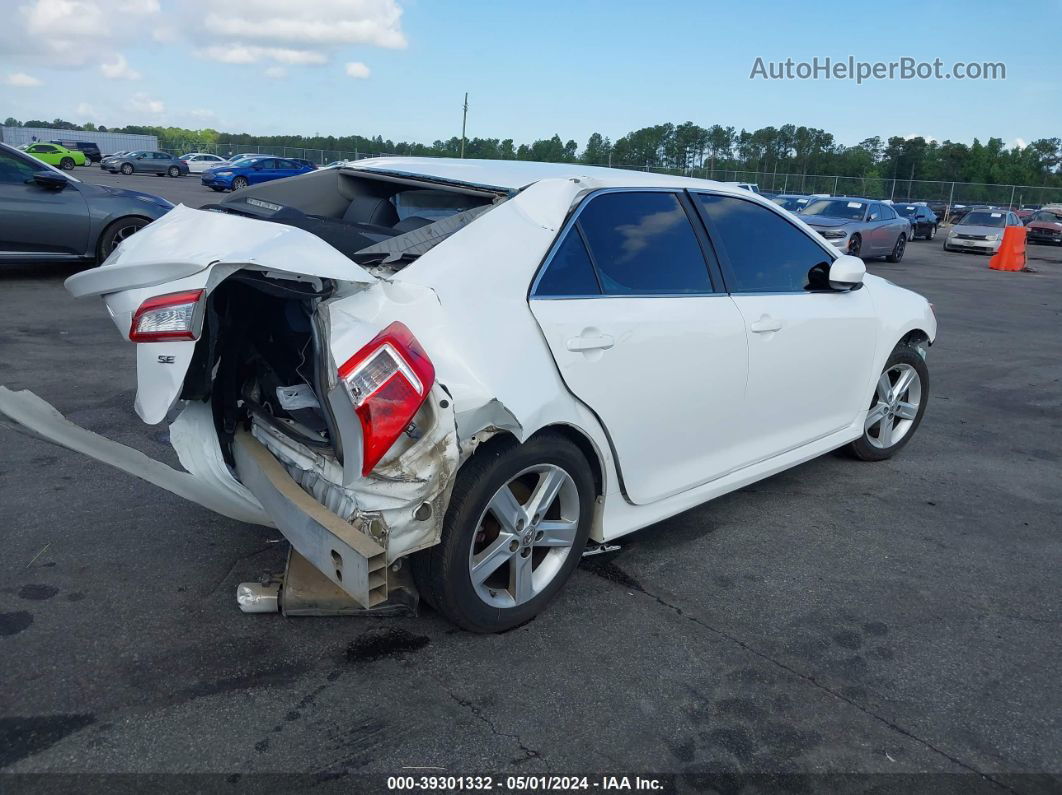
(1011, 254)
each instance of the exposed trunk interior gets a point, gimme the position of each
(259, 356)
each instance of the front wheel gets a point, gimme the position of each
(126, 169)
(239, 183)
(67, 164)
(898, 249)
(118, 231)
(855, 245)
(514, 531)
(174, 171)
(896, 409)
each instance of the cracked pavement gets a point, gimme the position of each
(900, 617)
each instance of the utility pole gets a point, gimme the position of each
(464, 121)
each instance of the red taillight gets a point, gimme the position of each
(388, 381)
(165, 318)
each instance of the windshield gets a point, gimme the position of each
(793, 203)
(984, 218)
(906, 210)
(1047, 215)
(836, 208)
(242, 162)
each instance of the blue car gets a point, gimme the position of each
(251, 171)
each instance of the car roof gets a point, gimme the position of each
(516, 174)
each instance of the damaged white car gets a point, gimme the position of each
(475, 369)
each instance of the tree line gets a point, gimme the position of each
(687, 148)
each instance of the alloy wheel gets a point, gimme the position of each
(855, 246)
(124, 232)
(524, 535)
(895, 406)
(897, 250)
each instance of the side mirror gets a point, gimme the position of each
(846, 272)
(50, 180)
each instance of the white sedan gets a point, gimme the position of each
(198, 162)
(481, 369)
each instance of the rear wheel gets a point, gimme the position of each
(67, 164)
(116, 232)
(127, 168)
(517, 523)
(174, 171)
(896, 409)
(239, 183)
(932, 233)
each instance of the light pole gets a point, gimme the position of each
(464, 121)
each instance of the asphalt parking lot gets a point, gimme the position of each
(901, 617)
(186, 190)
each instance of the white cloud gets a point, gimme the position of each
(357, 70)
(928, 138)
(21, 80)
(142, 103)
(276, 72)
(241, 53)
(1019, 143)
(73, 33)
(309, 22)
(119, 69)
(86, 110)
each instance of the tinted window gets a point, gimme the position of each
(569, 273)
(766, 252)
(15, 171)
(643, 243)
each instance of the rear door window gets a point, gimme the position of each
(642, 243)
(570, 273)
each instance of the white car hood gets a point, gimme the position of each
(185, 241)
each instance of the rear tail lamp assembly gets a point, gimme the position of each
(166, 318)
(388, 381)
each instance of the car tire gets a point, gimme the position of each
(855, 245)
(126, 169)
(508, 474)
(67, 164)
(894, 416)
(239, 183)
(932, 233)
(898, 249)
(173, 171)
(116, 232)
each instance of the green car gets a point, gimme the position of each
(55, 155)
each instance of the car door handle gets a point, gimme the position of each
(590, 342)
(765, 324)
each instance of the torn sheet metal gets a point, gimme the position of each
(401, 504)
(27, 413)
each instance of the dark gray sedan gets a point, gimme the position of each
(145, 162)
(48, 216)
(860, 227)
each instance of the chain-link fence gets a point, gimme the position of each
(952, 193)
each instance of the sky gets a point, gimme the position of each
(399, 68)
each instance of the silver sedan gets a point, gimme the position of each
(861, 227)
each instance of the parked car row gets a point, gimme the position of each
(47, 215)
